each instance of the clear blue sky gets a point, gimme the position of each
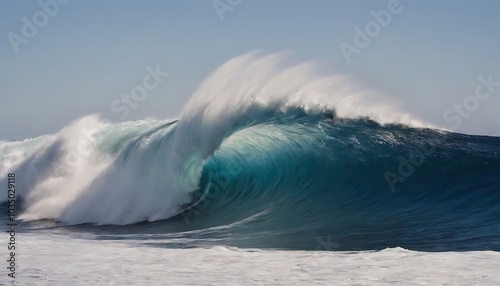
(88, 54)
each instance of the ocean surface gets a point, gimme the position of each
(273, 174)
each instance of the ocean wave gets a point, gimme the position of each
(269, 150)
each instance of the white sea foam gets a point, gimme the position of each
(59, 260)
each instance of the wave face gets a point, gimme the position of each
(268, 155)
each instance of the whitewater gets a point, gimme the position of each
(274, 173)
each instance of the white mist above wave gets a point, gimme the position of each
(96, 172)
